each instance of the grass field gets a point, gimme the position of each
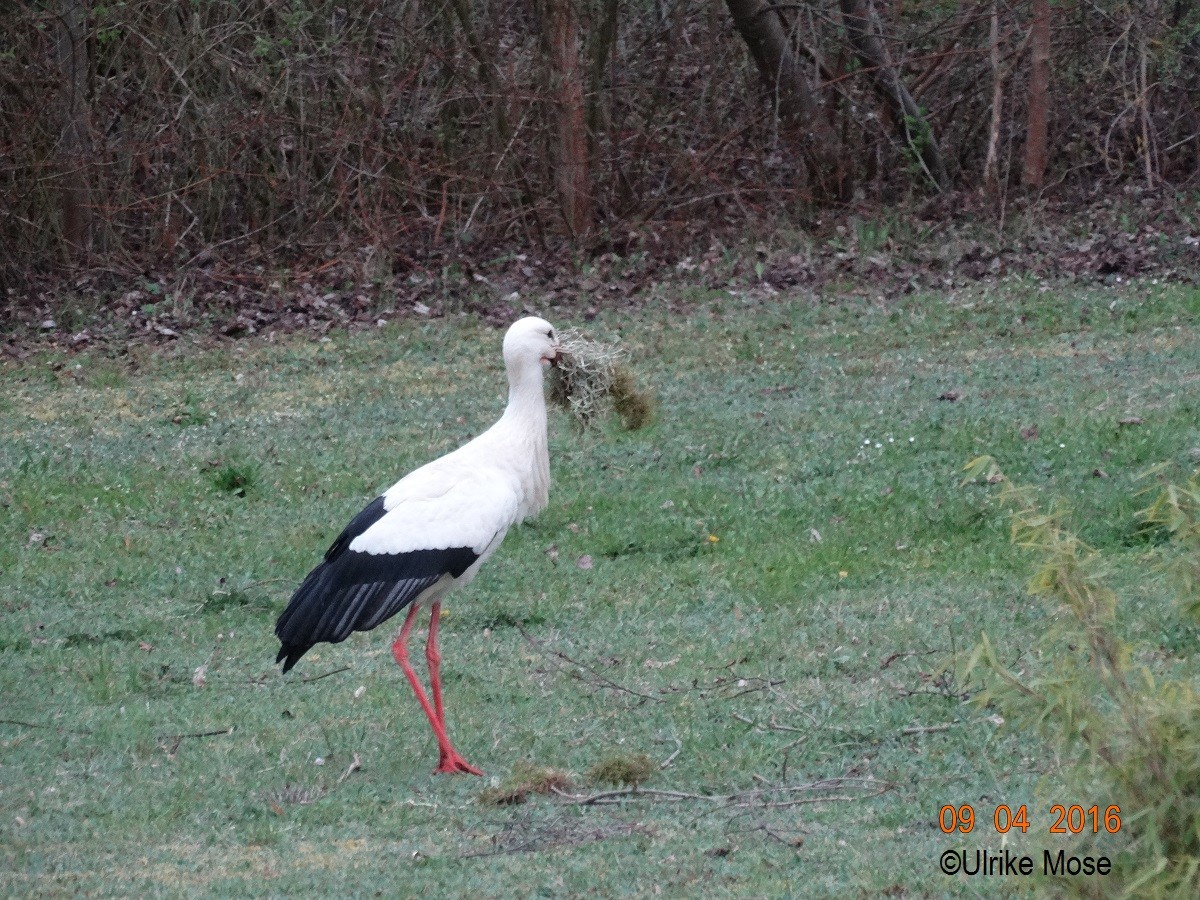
(782, 569)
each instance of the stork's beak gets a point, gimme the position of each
(554, 357)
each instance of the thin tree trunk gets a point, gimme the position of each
(75, 189)
(1034, 171)
(796, 104)
(991, 166)
(1145, 93)
(864, 29)
(602, 45)
(572, 169)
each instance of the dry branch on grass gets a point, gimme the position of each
(762, 798)
(534, 837)
(169, 743)
(596, 678)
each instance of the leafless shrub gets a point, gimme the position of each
(405, 135)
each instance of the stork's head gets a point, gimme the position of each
(531, 340)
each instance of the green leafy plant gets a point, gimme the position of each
(1091, 692)
(235, 479)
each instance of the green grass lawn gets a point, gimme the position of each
(783, 567)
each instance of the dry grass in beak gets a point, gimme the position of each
(589, 373)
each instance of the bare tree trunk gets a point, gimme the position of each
(796, 103)
(1034, 172)
(864, 29)
(1145, 93)
(75, 190)
(602, 45)
(991, 166)
(572, 169)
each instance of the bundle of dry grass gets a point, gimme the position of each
(591, 372)
(527, 778)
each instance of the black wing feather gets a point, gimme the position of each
(354, 591)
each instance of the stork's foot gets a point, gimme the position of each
(453, 764)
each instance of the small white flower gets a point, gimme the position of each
(911, 439)
(319, 761)
(1062, 446)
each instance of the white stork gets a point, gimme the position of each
(432, 530)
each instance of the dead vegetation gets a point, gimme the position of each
(631, 769)
(526, 778)
(590, 374)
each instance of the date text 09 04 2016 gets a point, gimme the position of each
(983, 862)
(1074, 819)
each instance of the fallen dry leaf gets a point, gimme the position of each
(657, 664)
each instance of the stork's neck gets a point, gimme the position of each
(524, 425)
(526, 397)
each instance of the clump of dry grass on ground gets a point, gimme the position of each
(632, 769)
(526, 778)
(590, 373)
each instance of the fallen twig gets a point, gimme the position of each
(766, 685)
(670, 759)
(604, 682)
(771, 725)
(355, 765)
(177, 739)
(756, 797)
(201, 734)
(39, 725)
(622, 793)
(326, 675)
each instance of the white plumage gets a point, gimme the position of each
(432, 530)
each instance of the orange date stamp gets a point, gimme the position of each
(1063, 819)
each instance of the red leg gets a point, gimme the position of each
(433, 657)
(449, 759)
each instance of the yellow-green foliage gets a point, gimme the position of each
(1137, 733)
(1176, 509)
